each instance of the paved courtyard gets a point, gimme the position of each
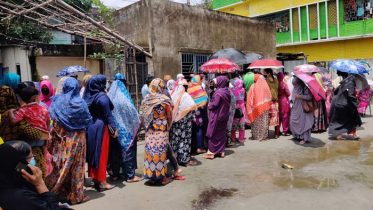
(327, 175)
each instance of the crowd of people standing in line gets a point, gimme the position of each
(85, 122)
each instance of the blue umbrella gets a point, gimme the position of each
(71, 69)
(348, 66)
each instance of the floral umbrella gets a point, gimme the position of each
(306, 68)
(219, 66)
(349, 66)
(266, 63)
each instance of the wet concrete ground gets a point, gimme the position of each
(327, 175)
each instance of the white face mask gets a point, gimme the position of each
(32, 161)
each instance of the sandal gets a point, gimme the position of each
(341, 138)
(222, 155)
(190, 163)
(178, 177)
(167, 182)
(201, 151)
(303, 142)
(85, 199)
(102, 188)
(287, 134)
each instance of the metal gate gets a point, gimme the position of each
(190, 63)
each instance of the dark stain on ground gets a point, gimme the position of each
(209, 196)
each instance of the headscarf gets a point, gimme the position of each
(8, 99)
(11, 80)
(94, 88)
(196, 91)
(298, 89)
(238, 90)
(60, 85)
(327, 82)
(280, 77)
(47, 99)
(170, 85)
(45, 77)
(124, 112)
(222, 89)
(68, 109)
(259, 98)
(183, 102)
(180, 76)
(154, 98)
(9, 159)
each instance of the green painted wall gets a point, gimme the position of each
(283, 37)
(322, 20)
(303, 20)
(222, 3)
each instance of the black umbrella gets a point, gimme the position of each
(251, 57)
(234, 55)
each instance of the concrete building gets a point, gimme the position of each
(324, 30)
(15, 59)
(181, 37)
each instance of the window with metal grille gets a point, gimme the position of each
(332, 13)
(295, 19)
(190, 63)
(281, 19)
(357, 10)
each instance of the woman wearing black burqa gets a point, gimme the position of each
(344, 117)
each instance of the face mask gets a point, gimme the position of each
(33, 162)
(45, 91)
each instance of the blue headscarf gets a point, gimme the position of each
(11, 80)
(68, 109)
(94, 88)
(124, 112)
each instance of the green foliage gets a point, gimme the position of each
(23, 29)
(209, 5)
(105, 12)
(114, 52)
(85, 5)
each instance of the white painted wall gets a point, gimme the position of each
(13, 56)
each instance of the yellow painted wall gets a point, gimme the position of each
(239, 9)
(52, 65)
(328, 51)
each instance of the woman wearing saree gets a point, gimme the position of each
(98, 134)
(218, 118)
(344, 116)
(283, 104)
(320, 124)
(182, 117)
(365, 97)
(327, 83)
(47, 92)
(273, 111)
(123, 149)
(200, 98)
(258, 103)
(239, 124)
(155, 113)
(301, 122)
(71, 117)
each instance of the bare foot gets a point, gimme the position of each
(209, 156)
(339, 137)
(222, 155)
(201, 151)
(302, 142)
(191, 163)
(178, 171)
(135, 179)
(356, 137)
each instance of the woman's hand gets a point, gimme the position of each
(35, 179)
(115, 133)
(297, 96)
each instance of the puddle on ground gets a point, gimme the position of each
(338, 150)
(209, 196)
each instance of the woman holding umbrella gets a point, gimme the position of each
(301, 122)
(344, 116)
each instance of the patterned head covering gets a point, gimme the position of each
(60, 85)
(8, 99)
(124, 112)
(170, 85)
(327, 82)
(47, 98)
(196, 91)
(11, 80)
(259, 98)
(68, 109)
(154, 98)
(238, 90)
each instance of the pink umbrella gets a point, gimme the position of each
(266, 63)
(306, 68)
(219, 66)
(317, 91)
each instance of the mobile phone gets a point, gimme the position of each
(21, 166)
